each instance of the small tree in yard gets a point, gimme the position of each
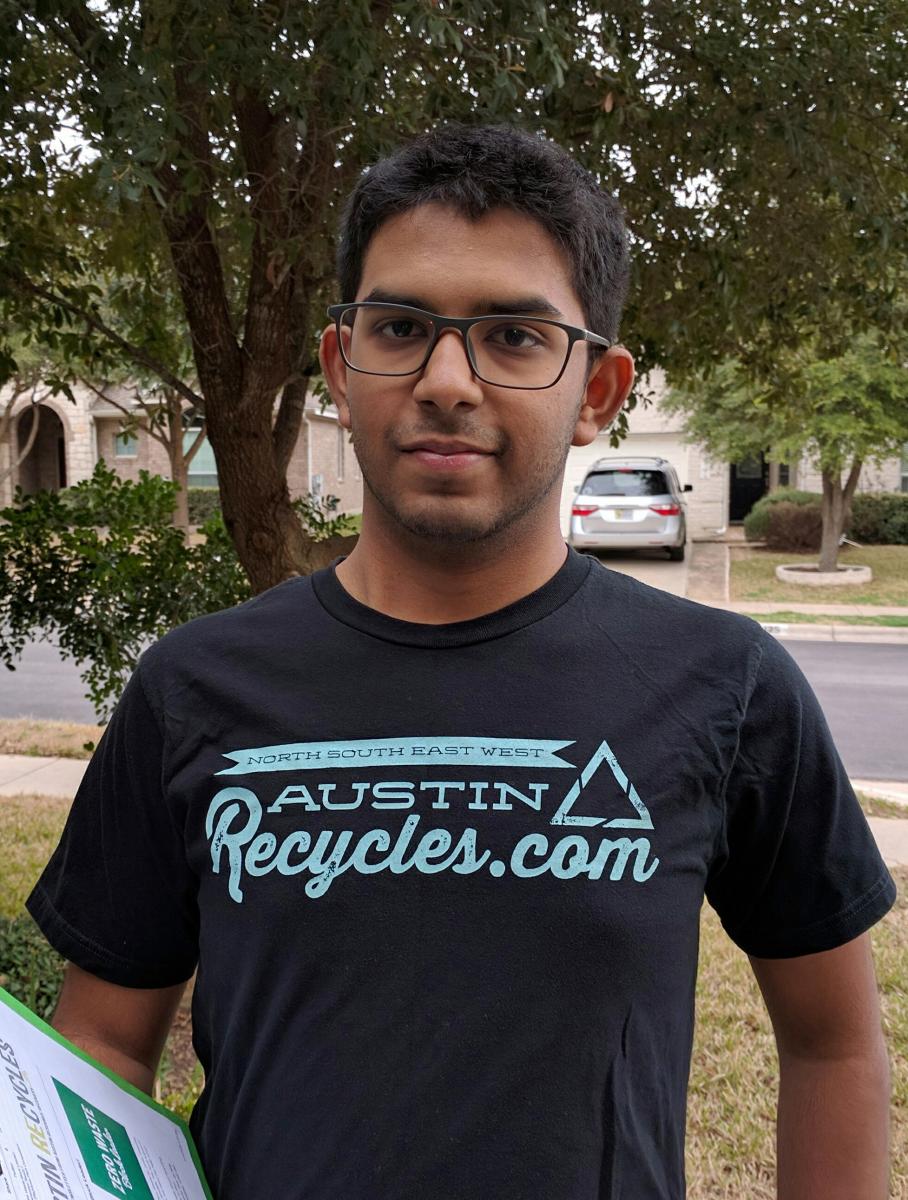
(162, 414)
(842, 413)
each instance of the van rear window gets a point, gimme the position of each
(625, 483)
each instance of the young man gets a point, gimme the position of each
(437, 823)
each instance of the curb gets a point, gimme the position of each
(809, 632)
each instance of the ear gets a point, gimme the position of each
(607, 388)
(334, 370)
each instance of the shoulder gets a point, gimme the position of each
(648, 621)
(222, 634)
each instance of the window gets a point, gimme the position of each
(625, 481)
(341, 443)
(202, 470)
(126, 445)
(904, 484)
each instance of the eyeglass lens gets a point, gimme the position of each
(514, 353)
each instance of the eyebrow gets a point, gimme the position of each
(517, 306)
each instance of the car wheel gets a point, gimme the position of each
(676, 553)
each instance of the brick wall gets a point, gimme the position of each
(149, 454)
(335, 470)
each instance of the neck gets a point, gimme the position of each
(432, 582)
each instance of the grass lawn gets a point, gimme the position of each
(753, 577)
(51, 739)
(731, 1110)
(793, 618)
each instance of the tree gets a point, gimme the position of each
(205, 148)
(163, 414)
(841, 413)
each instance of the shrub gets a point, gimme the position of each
(879, 518)
(318, 514)
(320, 517)
(204, 503)
(30, 969)
(794, 527)
(756, 522)
(101, 566)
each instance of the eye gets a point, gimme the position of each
(399, 329)
(514, 337)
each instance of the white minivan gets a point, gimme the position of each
(630, 504)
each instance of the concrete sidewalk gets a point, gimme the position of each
(22, 774)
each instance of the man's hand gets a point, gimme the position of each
(833, 1128)
(123, 1028)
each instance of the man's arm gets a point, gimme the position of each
(123, 1028)
(833, 1126)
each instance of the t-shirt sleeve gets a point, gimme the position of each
(796, 870)
(118, 898)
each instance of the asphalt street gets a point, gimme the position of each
(863, 690)
(864, 693)
(44, 685)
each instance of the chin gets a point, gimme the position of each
(447, 528)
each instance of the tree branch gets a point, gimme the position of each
(851, 485)
(15, 462)
(288, 421)
(157, 434)
(190, 454)
(136, 353)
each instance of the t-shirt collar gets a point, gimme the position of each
(528, 609)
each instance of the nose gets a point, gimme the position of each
(447, 379)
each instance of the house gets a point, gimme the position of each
(723, 493)
(72, 437)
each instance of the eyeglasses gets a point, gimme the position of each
(530, 353)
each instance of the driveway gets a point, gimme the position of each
(649, 566)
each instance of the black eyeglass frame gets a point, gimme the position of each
(463, 325)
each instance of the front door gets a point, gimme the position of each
(749, 481)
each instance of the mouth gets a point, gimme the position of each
(446, 456)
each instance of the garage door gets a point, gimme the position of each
(648, 445)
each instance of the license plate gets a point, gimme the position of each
(621, 514)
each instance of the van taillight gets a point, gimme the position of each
(584, 510)
(666, 510)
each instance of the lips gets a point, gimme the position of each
(444, 448)
(446, 456)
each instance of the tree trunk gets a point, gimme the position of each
(18, 457)
(179, 468)
(833, 520)
(270, 541)
(850, 486)
(179, 473)
(836, 511)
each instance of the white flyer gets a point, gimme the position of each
(72, 1130)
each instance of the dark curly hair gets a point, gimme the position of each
(476, 169)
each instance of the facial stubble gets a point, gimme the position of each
(541, 476)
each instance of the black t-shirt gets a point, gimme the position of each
(443, 883)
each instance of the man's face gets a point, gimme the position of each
(445, 455)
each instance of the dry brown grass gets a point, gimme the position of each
(51, 739)
(731, 1110)
(30, 827)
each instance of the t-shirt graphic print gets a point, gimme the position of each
(327, 783)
